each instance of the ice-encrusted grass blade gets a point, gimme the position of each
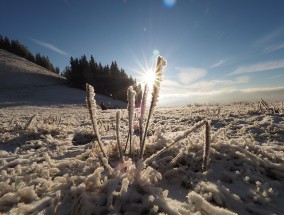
(131, 103)
(91, 102)
(118, 135)
(160, 65)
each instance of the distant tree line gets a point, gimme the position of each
(107, 80)
(15, 47)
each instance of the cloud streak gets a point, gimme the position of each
(261, 90)
(188, 75)
(219, 63)
(50, 47)
(273, 48)
(276, 76)
(211, 84)
(260, 67)
(174, 93)
(176, 89)
(269, 37)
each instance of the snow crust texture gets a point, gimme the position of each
(51, 162)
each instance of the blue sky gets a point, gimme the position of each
(217, 51)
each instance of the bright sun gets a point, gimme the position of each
(149, 78)
(146, 73)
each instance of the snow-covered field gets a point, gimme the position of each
(51, 163)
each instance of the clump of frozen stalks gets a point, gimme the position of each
(144, 123)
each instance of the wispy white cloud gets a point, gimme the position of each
(211, 84)
(174, 88)
(219, 63)
(276, 76)
(174, 93)
(50, 47)
(260, 67)
(262, 89)
(206, 84)
(188, 75)
(241, 80)
(225, 90)
(269, 37)
(273, 48)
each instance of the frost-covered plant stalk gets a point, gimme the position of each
(130, 107)
(28, 125)
(206, 146)
(180, 137)
(142, 112)
(160, 65)
(91, 102)
(143, 102)
(118, 135)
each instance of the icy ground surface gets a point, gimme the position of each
(50, 163)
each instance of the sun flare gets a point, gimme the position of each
(149, 78)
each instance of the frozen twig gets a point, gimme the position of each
(160, 65)
(206, 146)
(28, 125)
(142, 113)
(118, 135)
(131, 103)
(91, 102)
(178, 138)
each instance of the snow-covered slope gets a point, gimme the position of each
(25, 83)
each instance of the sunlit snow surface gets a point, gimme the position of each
(48, 165)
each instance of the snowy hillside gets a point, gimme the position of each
(51, 163)
(25, 83)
